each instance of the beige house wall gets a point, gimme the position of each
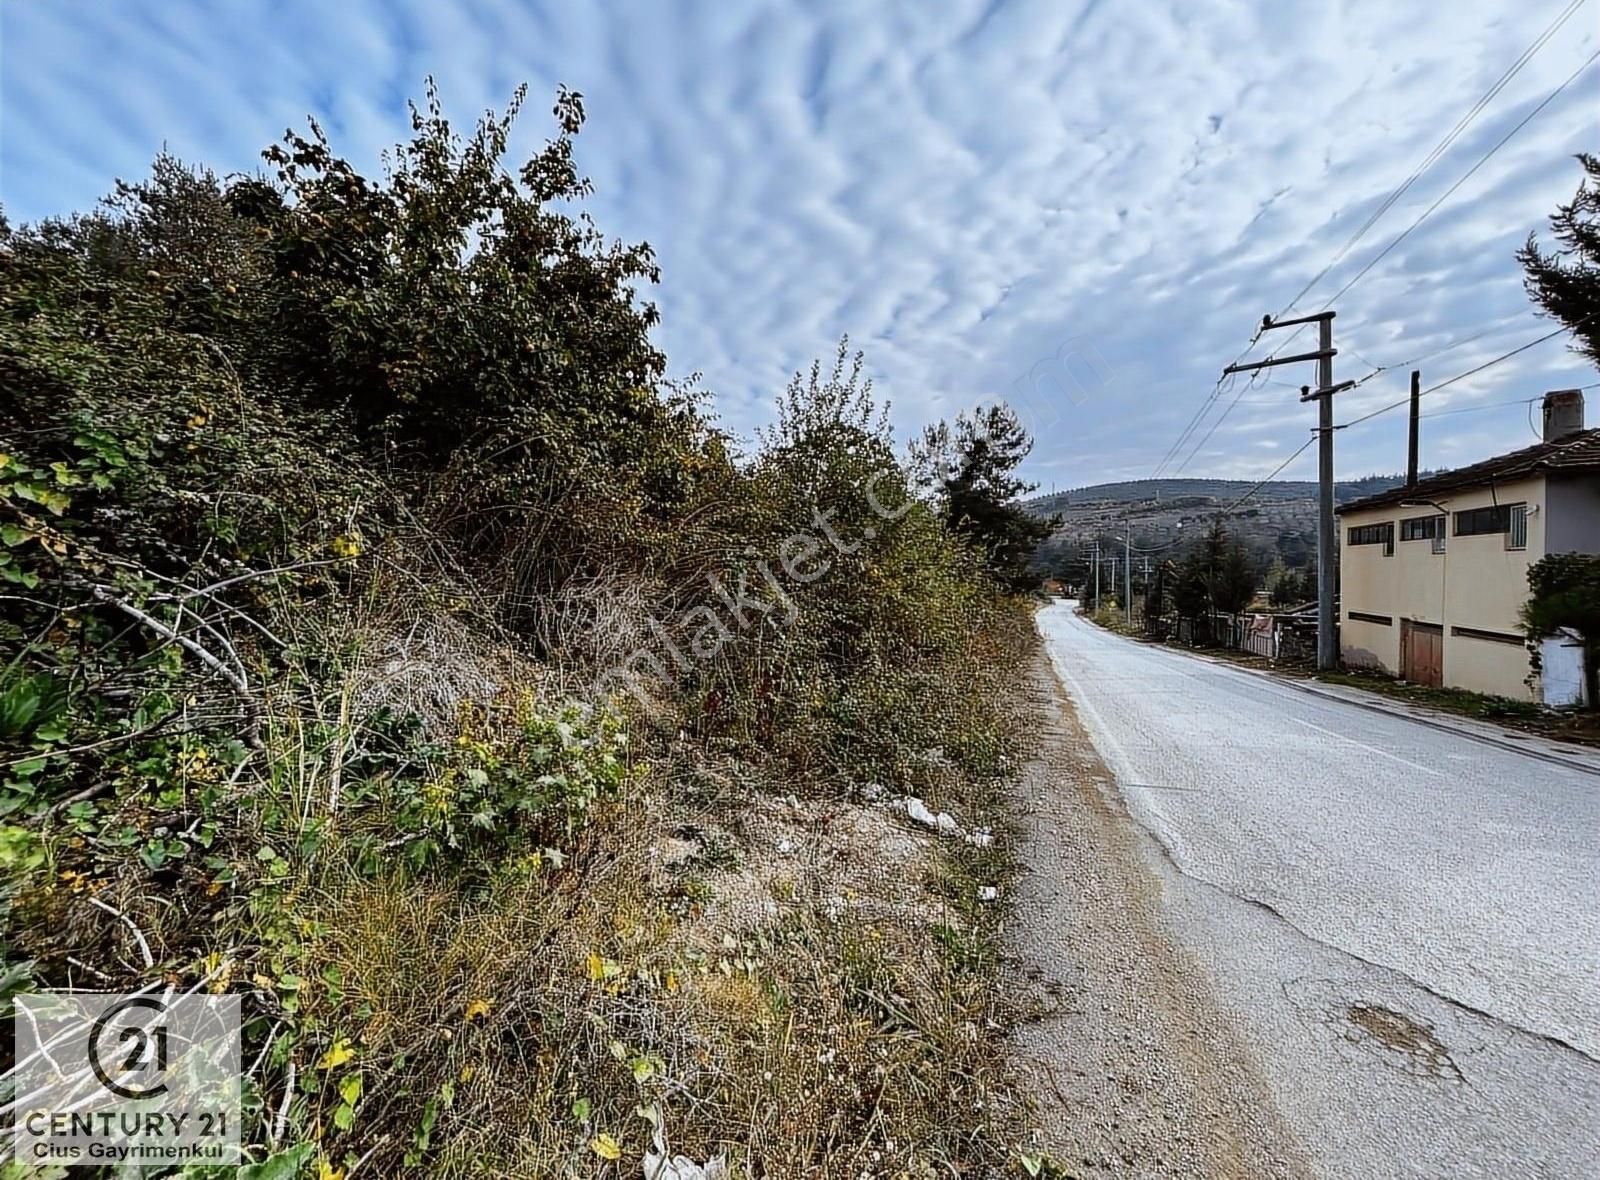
(1475, 583)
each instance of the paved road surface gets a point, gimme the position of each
(1403, 923)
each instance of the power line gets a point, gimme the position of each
(1216, 391)
(1521, 401)
(1439, 149)
(1300, 450)
(1205, 406)
(1441, 350)
(1467, 175)
(1482, 160)
(1433, 156)
(1505, 356)
(1221, 418)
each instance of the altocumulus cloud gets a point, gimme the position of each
(961, 186)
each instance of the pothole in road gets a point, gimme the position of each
(1369, 1023)
(1383, 1029)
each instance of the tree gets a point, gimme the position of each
(1565, 282)
(1289, 587)
(1190, 596)
(971, 471)
(1564, 591)
(1217, 575)
(1234, 580)
(1157, 598)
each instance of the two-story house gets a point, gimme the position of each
(1433, 574)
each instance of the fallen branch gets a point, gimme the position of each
(144, 946)
(234, 677)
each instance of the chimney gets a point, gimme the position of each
(1411, 440)
(1563, 414)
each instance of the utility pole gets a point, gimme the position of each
(1097, 575)
(1327, 647)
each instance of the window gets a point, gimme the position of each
(1421, 528)
(1374, 534)
(1490, 636)
(1476, 522)
(1517, 532)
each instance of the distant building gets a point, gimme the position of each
(1433, 574)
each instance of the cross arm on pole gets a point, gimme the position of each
(1320, 355)
(1268, 323)
(1307, 394)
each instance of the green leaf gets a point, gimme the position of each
(350, 1089)
(285, 1165)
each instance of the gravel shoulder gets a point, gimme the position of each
(1135, 1071)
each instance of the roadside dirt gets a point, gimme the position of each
(1135, 1072)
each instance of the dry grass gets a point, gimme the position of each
(785, 995)
(802, 983)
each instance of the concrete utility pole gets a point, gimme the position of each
(1097, 575)
(1327, 623)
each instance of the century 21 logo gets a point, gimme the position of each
(130, 1048)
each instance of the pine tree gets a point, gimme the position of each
(1565, 283)
(972, 472)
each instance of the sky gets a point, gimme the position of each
(1081, 207)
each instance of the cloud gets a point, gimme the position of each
(961, 187)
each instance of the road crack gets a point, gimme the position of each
(1426, 988)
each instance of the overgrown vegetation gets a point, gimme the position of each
(1564, 593)
(1450, 700)
(377, 618)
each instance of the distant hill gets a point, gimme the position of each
(1278, 522)
(1223, 491)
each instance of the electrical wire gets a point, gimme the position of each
(1482, 160)
(1300, 450)
(1521, 401)
(1439, 149)
(1429, 355)
(1218, 389)
(1221, 418)
(1426, 213)
(1467, 175)
(1505, 356)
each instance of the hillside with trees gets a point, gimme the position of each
(388, 640)
(1276, 528)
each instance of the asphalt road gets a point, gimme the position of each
(1402, 923)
